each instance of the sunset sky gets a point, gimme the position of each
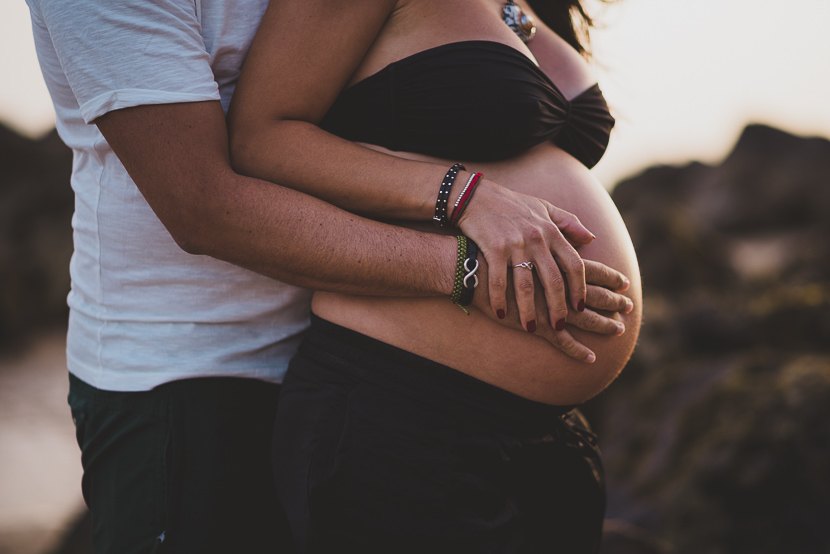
(684, 77)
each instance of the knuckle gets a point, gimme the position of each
(547, 265)
(607, 299)
(556, 282)
(563, 217)
(570, 255)
(576, 351)
(535, 236)
(524, 286)
(602, 299)
(498, 244)
(592, 320)
(569, 346)
(590, 267)
(497, 282)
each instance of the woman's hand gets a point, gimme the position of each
(511, 228)
(604, 301)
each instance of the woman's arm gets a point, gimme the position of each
(557, 59)
(300, 60)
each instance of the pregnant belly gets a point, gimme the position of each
(513, 360)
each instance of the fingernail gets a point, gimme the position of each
(593, 236)
(500, 313)
(620, 329)
(560, 325)
(531, 326)
(581, 306)
(591, 358)
(626, 283)
(629, 305)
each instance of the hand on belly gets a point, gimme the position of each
(523, 363)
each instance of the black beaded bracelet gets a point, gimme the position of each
(440, 219)
(470, 281)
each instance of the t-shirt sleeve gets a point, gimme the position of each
(117, 54)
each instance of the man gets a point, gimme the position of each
(182, 320)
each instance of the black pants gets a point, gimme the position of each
(379, 450)
(183, 468)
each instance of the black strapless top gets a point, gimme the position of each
(472, 100)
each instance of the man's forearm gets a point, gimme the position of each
(177, 154)
(293, 237)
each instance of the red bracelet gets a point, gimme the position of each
(464, 197)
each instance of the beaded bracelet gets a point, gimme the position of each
(464, 198)
(466, 279)
(440, 219)
(459, 269)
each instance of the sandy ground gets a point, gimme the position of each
(40, 468)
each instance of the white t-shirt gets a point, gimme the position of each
(142, 311)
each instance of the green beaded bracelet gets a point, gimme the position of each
(458, 287)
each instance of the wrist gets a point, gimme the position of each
(481, 298)
(484, 190)
(448, 261)
(443, 204)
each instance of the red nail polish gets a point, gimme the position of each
(560, 325)
(581, 306)
(531, 326)
(500, 313)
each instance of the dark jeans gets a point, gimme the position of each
(183, 468)
(380, 451)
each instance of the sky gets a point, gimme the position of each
(683, 77)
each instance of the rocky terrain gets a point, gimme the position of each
(717, 435)
(36, 206)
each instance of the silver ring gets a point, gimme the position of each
(528, 265)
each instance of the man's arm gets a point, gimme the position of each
(177, 154)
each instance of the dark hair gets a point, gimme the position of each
(566, 18)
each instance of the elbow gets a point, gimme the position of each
(244, 154)
(191, 243)
(240, 153)
(263, 150)
(195, 214)
(188, 233)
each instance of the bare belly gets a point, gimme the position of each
(519, 362)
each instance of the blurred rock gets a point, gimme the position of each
(717, 435)
(619, 537)
(36, 204)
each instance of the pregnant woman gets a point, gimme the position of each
(406, 425)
